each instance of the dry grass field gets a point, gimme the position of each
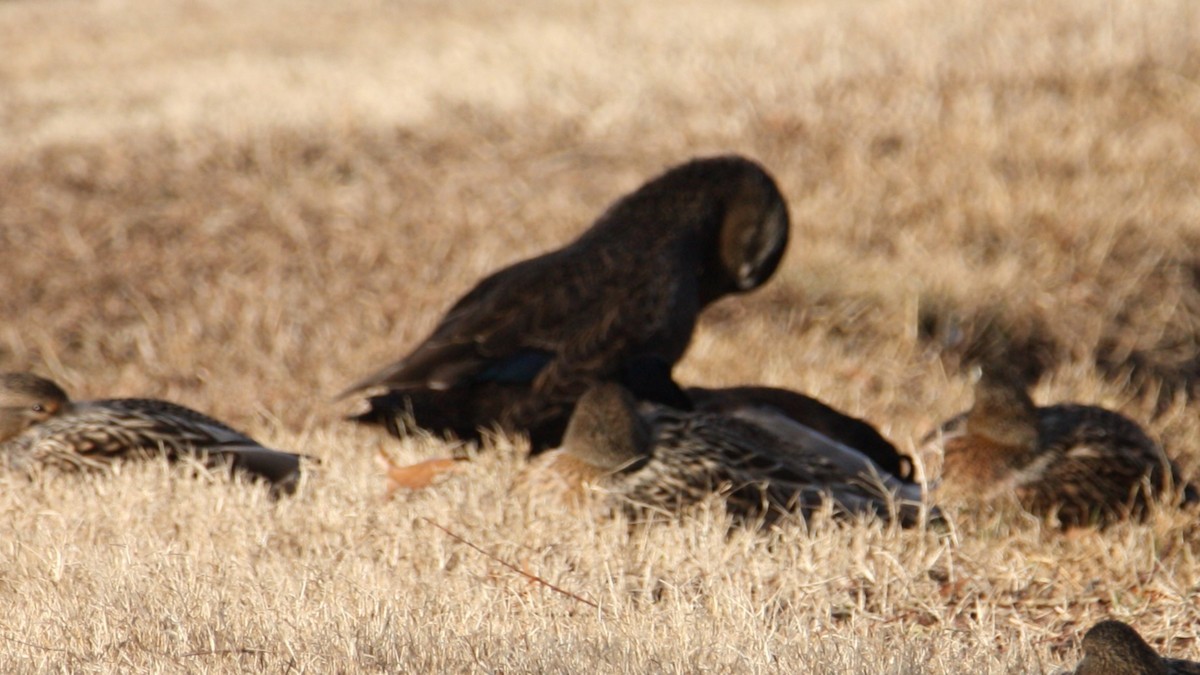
(244, 206)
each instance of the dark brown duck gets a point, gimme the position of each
(520, 348)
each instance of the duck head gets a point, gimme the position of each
(1003, 412)
(27, 400)
(751, 228)
(1112, 647)
(606, 430)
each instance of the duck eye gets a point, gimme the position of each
(38, 407)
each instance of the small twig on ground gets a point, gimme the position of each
(527, 575)
(45, 648)
(224, 652)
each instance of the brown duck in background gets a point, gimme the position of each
(1115, 648)
(644, 456)
(1084, 464)
(41, 426)
(521, 347)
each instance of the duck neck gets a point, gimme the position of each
(1005, 415)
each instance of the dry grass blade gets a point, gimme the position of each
(527, 575)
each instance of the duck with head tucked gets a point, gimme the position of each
(40, 426)
(647, 457)
(1115, 648)
(519, 349)
(1081, 464)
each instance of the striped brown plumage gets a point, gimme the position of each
(812, 413)
(41, 427)
(645, 456)
(1080, 464)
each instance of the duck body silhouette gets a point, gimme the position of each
(518, 350)
(40, 426)
(644, 456)
(1082, 464)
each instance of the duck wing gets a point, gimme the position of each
(568, 309)
(812, 414)
(1092, 464)
(806, 455)
(766, 463)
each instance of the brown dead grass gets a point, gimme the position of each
(244, 208)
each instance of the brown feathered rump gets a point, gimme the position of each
(527, 341)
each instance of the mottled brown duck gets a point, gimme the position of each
(1079, 464)
(40, 426)
(642, 456)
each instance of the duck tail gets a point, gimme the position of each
(280, 469)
